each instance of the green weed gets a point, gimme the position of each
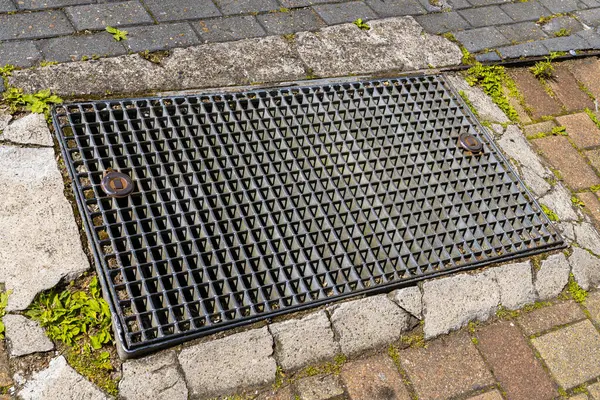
(492, 79)
(117, 34)
(559, 131)
(45, 63)
(562, 32)
(593, 117)
(38, 103)
(576, 292)
(361, 24)
(542, 69)
(3, 304)
(550, 214)
(96, 365)
(576, 202)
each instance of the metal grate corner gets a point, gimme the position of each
(252, 204)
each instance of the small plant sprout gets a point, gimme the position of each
(361, 24)
(118, 35)
(3, 304)
(543, 69)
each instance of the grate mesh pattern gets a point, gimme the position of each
(251, 204)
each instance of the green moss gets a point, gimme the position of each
(575, 291)
(334, 367)
(492, 79)
(562, 32)
(416, 340)
(45, 63)
(3, 304)
(361, 24)
(475, 340)
(550, 214)
(576, 202)
(593, 117)
(505, 313)
(543, 20)
(559, 131)
(465, 98)
(95, 365)
(279, 378)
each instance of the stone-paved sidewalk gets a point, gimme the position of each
(34, 30)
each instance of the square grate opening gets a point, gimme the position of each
(252, 204)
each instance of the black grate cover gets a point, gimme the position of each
(248, 205)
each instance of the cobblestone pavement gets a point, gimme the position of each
(66, 30)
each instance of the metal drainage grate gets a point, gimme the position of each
(252, 204)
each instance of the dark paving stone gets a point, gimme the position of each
(566, 89)
(6, 6)
(182, 10)
(390, 8)
(73, 48)
(485, 16)
(232, 7)
(231, 28)
(575, 170)
(528, 11)
(344, 12)
(566, 43)
(523, 50)
(36, 25)
(374, 378)
(448, 367)
(431, 6)
(160, 37)
(281, 23)
(487, 2)
(41, 4)
(522, 32)
(570, 24)
(589, 17)
(581, 129)
(458, 4)
(442, 22)
(2, 88)
(488, 57)
(592, 37)
(560, 6)
(303, 3)
(513, 363)
(481, 38)
(98, 16)
(21, 54)
(536, 97)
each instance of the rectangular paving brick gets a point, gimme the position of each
(481, 38)
(566, 43)
(233, 7)
(566, 88)
(7, 6)
(231, 28)
(592, 206)
(546, 318)
(587, 71)
(485, 16)
(535, 95)
(449, 366)
(320, 387)
(523, 50)
(73, 48)
(592, 304)
(182, 10)
(560, 6)
(374, 378)
(442, 22)
(590, 17)
(36, 25)
(98, 16)
(493, 395)
(513, 363)
(573, 167)
(160, 37)
(41, 4)
(540, 127)
(594, 157)
(392, 8)
(339, 13)
(22, 54)
(581, 129)
(524, 11)
(522, 32)
(281, 23)
(571, 353)
(5, 375)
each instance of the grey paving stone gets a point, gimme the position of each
(160, 37)
(560, 6)
(228, 29)
(5, 117)
(391, 44)
(489, 56)
(302, 3)
(522, 32)
(42, 4)
(222, 366)
(537, 184)
(7, 6)
(320, 387)
(99, 16)
(60, 381)
(485, 16)
(73, 48)
(514, 144)
(367, 323)
(516, 285)
(339, 13)
(182, 10)
(394, 8)
(524, 11)
(22, 54)
(487, 110)
(587, 237)
(281, 23)
(300, 342)
(152, 376)
(2, 88)
(487, 2)
(32, 260)
(589, 17)
(559, 201)
(31, 129)
(450, 303)
(25, 336)
(592, 36)
(434, 6)
(571, 353)
(232, 7)
(442, 22)
(523, 50)
(35, 25)
(410, 299)
(568, 23)
(458, 4)
(585, 268)
(481, 38)
(552, 277)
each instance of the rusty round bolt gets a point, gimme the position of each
(116, 184)
(471, 143)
